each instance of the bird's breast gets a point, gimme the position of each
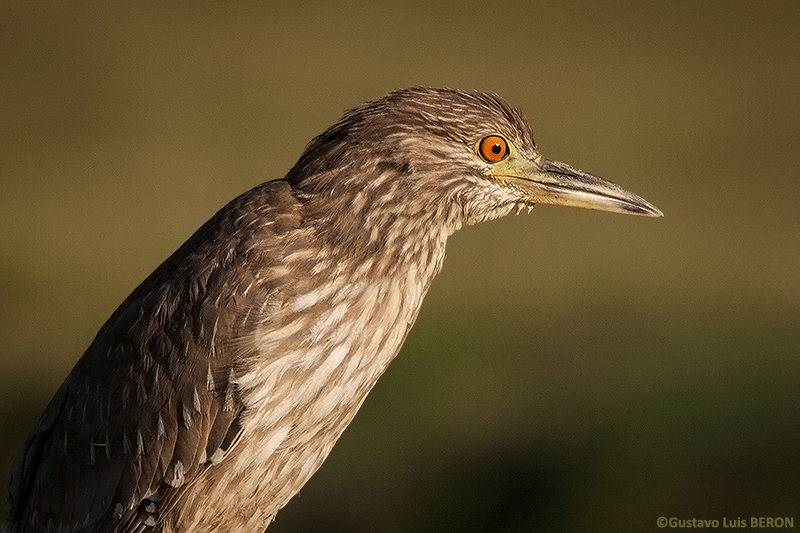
(314, 368)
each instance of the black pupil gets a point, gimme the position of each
(496, 149)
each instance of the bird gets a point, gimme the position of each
(221, 383)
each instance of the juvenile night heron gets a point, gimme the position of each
(219, 386)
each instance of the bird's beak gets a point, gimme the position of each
(550, 182)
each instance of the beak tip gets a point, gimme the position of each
(652, 211)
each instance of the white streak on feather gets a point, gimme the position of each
(308, 299)
(217, 456)
(247, 289)
(265, 449)
(197, 405)
(213, 341)
(229, 390)
(161, 432)
(187, 416)
(210, 379)
(330, 320)
(177, 478)
(126, 443)
(330, 364)
(320, 267)
(268, 339)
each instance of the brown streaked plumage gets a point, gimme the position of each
(219, 386)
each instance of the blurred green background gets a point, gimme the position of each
(570, 370)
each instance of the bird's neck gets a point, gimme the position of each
(378, 230)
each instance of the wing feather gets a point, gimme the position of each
(150, 405)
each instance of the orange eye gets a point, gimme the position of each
(493, 148)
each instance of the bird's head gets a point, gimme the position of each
(423, 153)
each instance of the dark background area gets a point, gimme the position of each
(570, 370)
